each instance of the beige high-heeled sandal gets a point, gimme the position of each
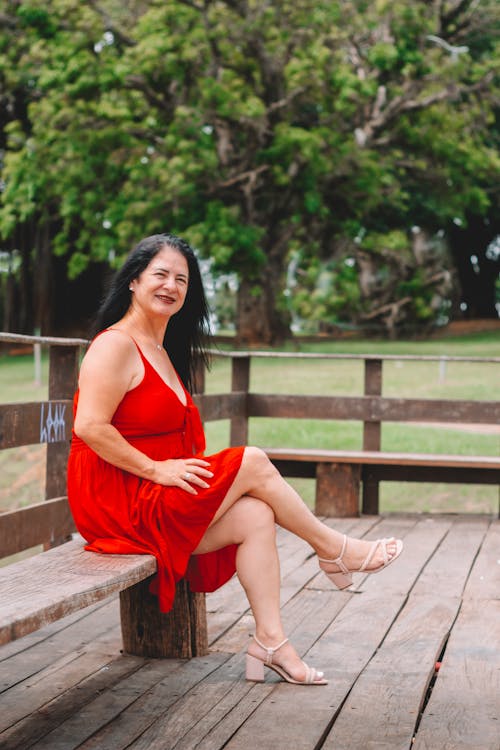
(255, 667)
(343, 578)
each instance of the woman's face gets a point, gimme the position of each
(162, 287)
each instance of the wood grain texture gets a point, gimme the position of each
(391, 690)
(484, 580)
(374, 458)
(67, 686)
(37, 524)
(33, 423)
(48, 586)
(463, 712)
(337, 490)
(146, 631)
(220, 406)
(373, 408)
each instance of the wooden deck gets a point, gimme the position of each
(68, 686)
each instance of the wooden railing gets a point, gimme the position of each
(50, 422)
(371, 409)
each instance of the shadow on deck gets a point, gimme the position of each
(68, 686)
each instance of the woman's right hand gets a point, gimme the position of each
(186, 473)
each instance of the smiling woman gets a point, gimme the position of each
(138, 479)
(164, 281)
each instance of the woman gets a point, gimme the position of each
(138, 481)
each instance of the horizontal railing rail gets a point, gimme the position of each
(373, 408)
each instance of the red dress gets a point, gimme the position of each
(118, 512)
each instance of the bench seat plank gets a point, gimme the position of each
(374, 458)
(46, 587)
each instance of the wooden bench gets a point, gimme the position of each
(339, 474)
(64, 577)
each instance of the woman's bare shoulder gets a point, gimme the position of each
(115, 336)
(111, 349)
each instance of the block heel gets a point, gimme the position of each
(341, 578)
(254, 669)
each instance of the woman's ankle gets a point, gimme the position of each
(331, 548)
(269, 637)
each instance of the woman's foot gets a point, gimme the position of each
(284, 660)
(359, 556)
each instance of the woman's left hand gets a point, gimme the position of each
(187, 473)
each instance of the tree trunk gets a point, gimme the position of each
(43, 280)
(25, 320)
(259, 321)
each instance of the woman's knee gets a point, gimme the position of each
(256, 460)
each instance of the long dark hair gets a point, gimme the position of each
(188, 332)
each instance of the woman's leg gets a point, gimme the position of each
(258, 478)
(250, 524)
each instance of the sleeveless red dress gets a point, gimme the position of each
(118, 512)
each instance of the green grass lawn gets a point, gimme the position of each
(21, 482)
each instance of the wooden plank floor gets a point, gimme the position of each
(68, 686)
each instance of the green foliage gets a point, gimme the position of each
(329, 293)
(251, 128)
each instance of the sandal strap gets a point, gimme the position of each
(339, 560)
(368, 558)
(310, 675)
(270, 650)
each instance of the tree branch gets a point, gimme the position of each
(140, 84)
(451, 92)
(462, 25)
(408, 102)
(391, 309)
(110, 25)
(8, 22)
(191, 4)
(448, 17)
(285, 101)
(248, 176)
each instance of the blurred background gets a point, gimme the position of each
(334, 163)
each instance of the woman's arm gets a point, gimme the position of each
(110, 368)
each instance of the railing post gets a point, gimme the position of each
(63, 377)
(240, 381)
(371, 436)
(199, 376)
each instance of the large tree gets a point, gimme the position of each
(256, 129)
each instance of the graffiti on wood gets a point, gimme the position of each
(52, 423)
